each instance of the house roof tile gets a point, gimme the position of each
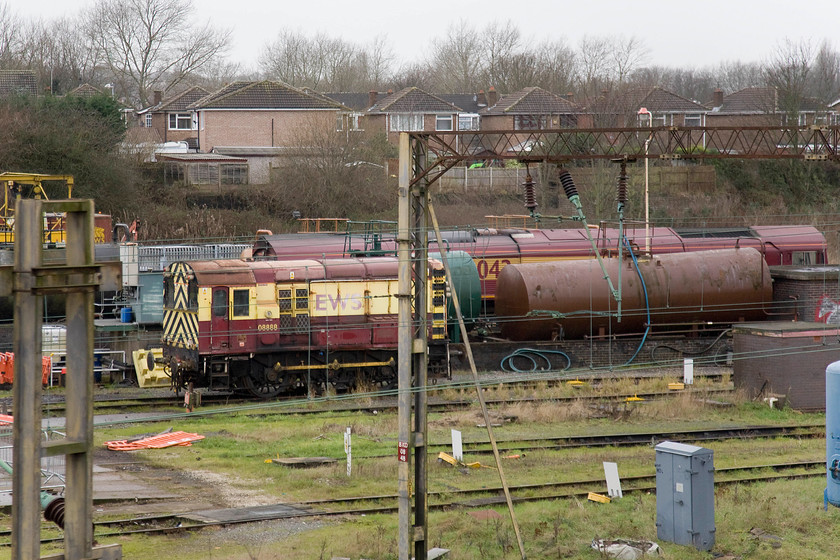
(762, 100)
(532, 101)
(413, 100)
(182, 100)
(263, 95)
(656, 100)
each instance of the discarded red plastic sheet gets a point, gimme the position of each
(155, 442)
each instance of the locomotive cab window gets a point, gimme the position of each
(193, 296)
(168, 291)
(804, 258)
(241, 303)
(220, 302)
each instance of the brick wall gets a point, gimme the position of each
(793, 366)
(261, 128)
(801, 292)
(606, 353)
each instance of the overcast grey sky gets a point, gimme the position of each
(676, 33)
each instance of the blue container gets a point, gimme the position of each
(832, 434)
(126, 316)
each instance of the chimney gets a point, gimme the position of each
(492, 97)
(481, 99)
(717, 98)
(371, 98)
(570, 97)
(158, 96)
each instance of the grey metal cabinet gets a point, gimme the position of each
(685, 495)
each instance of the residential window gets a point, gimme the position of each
(180, 121)
(443, 122)
(820, 118)
(694, 119)
(406, 122)
(529, 122)
(803, 119)
(468, 121)
(350, 121)
(148, 120)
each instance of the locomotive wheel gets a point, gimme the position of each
(264, 383)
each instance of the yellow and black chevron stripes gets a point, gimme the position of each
(181, 273)
(180, 328)
(180, 324)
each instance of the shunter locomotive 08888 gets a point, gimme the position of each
(269, 327)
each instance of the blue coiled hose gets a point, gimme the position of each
(647, 303)
(532, 356)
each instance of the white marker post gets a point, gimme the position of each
(613, 482)
(688, 371)
(457, 447)
(348, 449)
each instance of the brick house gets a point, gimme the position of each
(621, 109)
(531, 108)
(171, 118)
(764, 106)
(408, 110)
(262, 122)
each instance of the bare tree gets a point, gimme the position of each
(324, 63)
(593, 59)
(627, 55)
(825, 75)
(789, 72)
(458, 58)
(502, 44)
(556, 64)
(151, 44)
(10, 41)
(380, 59)
(737, 75)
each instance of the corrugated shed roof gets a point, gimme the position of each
(263, 95)
(188, 158)
(532, 101)
(18, 82)
(413, 100)
(182, 100)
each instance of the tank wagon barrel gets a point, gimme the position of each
(571, 299)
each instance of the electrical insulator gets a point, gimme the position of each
(621, 195)
(568, 184)
(530, 193)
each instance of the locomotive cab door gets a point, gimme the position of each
(219, 320)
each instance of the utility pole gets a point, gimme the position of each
(412, 238)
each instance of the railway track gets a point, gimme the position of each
(384, 401)
(454, 498)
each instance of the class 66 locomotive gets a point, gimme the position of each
(272, 327)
